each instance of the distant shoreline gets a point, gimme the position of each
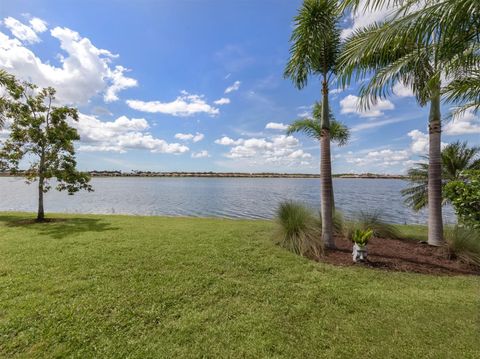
(226, 175)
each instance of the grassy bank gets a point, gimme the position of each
(118, 286)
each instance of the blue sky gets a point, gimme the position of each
(198, 86)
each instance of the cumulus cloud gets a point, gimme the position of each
(84, 71)
(38, 25)
(234, 87)
(350, 104)
(184, 105)
(419, 143)
(377, 160)
(21, 31)
(401, 90)
(276, 126)
(277, 150)
(121, 135)
(227, 141)
(200, 154)
(190, 137)
(222, 101)
(464, 124)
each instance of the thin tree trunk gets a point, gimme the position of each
(435, 220)
(326, 173)
(40, 213)
(41, 180)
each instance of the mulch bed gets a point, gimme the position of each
(402, 256)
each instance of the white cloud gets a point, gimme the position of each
(419, 143)
(85, 70)
(378, 160)
(21, 31)
(190, 137)
(234, 87)
(277, 150)
(276, 126)
(350, 104)
(227, 141)
(38, 25)
(200, 154)
(401, 90)
(121, 135)
(464, 124)
(184, 105)
(222, 101)
(119, 83)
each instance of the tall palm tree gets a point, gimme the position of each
(442, 33)
(456, 157)
(419, 60)
(314, 51)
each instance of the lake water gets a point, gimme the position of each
(215, 197)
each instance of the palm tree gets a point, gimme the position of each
(425, 41)
(419, 62)
(314, 51)
(339, 133)
(456, 157)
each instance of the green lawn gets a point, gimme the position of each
(152, 287)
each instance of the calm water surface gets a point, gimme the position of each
(215, 197)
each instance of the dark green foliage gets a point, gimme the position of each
(299, 230)
(464, 243)
(464, 194)
(315, 41)
(456, 157)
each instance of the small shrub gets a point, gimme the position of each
(464, 243)
(464, 194)
(299, 230)
(361, 237)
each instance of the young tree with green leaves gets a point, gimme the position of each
(314, 51)
(40, 134)
(456, 158)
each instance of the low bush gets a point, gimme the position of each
(373, 221)
(299, 230)
(463, 243)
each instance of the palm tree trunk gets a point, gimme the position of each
(326, 173)
(435, 220)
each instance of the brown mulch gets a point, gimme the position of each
(402, 256)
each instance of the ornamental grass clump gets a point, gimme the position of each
(463, 243)
(299, 230)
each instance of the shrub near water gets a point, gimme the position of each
(299, 230)
(464, 243)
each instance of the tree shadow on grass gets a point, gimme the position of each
(58, 228)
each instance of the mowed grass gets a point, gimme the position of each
(152, 287)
